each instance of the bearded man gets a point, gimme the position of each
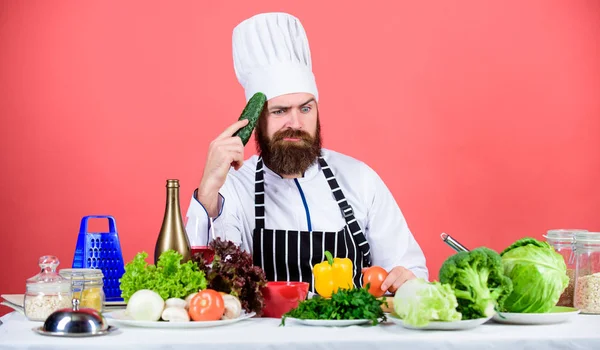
(295, 200)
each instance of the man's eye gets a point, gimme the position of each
(278, 112)
(306, 109)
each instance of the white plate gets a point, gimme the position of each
(17, 308)
(558, 314)
(16, 299)
(443, 325)
(121, 319)
(328, 323)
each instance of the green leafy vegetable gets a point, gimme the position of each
(418, 302)
(233, 272)
(538, 274)
(169, 278)
(345, 304)
(478, 281)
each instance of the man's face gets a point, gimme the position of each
(288, 133)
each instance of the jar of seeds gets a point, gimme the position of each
(587, 272)
(87, 286)
(563, 241)
(47, 291)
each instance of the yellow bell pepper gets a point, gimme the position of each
(332, 274)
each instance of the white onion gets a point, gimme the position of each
(145, 305)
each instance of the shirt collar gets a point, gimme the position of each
(309, 174)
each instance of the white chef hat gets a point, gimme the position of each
(271, 55)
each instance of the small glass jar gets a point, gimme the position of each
(563, 241)
(587, 272)
(87, 285)
(47, 291)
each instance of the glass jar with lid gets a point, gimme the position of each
(47, 291)
(587, 272)
(87, 285)
(563, 241)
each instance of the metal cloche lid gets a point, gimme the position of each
(75, 322)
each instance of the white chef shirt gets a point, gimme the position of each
(294, 204)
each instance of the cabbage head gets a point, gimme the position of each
(418, 302)
(538, 273)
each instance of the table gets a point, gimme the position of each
(582, 332)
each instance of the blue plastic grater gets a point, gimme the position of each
(101, 250)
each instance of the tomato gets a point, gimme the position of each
(375, 275)
(207, 305)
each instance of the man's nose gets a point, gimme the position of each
(294, 119)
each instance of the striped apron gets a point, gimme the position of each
(289, 255)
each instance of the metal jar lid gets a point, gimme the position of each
(587, 238)
(562, 235)
(80, 274)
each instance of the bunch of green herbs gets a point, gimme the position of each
(345, 304)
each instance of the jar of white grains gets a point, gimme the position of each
(563, 241)
(47, 291)
(587, 272)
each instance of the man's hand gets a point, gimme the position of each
(224, 152)
(396, 277)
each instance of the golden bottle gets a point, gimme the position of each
(172, 233)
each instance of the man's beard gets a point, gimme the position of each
(288, 157)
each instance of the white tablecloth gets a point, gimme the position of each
(583, 332)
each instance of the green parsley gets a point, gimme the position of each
(345, 304)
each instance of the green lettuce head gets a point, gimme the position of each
(538, 273)
(419, 302)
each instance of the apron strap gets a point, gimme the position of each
(259, 195)
(347, 212)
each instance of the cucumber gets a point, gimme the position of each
(252, 111)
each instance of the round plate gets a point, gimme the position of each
(443, 325)
(120, 318)
(558, 314)
(40, 330)
(115, 303)
(328, 323)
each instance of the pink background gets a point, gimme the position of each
(483, 117)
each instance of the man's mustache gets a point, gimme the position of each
(292, 133)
